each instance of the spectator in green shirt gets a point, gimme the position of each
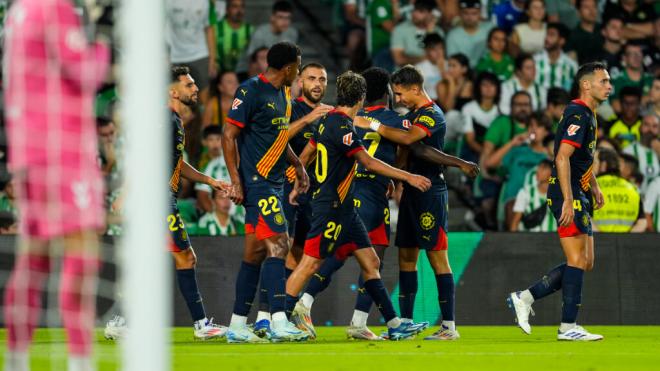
(632, 75)
(407, 45)
(496, 60)
(381, 20)
(232, 34)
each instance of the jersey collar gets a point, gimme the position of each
(374, 108)
(263, 78)
(337, 112)
(580, 102)
(302, 100)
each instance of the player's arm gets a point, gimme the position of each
(302, 180)
(405, 137)
(317, 112)
(230, 150)
(436, 156)
(195, 176)
(596, 192)
(562, 162)
(377, 166)
(306, 157)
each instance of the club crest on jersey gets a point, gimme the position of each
(279, 219)
(237, 102)
(348, 139)
(427, 221)
(572, 130)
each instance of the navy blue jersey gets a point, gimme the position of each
(376, 145)
(299, 109)
(577, 127)
(263, 113)
(176, 152)
(336, 142)
(429, 118)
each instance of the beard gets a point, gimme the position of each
(189, 101)
(307, 93)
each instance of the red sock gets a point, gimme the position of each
(23, 299)
(78, 301)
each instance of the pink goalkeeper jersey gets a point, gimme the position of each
(51, 76)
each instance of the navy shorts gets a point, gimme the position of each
(423, 218)
(582, 207)
(338, 231)
(264, 213)
(298, 217)
(374, 210)
(179, 239)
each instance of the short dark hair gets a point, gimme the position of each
(432, 39)
(520, 60)
(613, 17)
(557, 96)
(487, 76)
(611, 160)
(282, 53)
(378, 80)
(521, 92)
(493, 31)
(351, 88)
(282, 6)
(178, 71)
(212, 130)
(406, 76)
(630, 91)
(312, 65)
(563, 31)
(425, 5)
(584, 70)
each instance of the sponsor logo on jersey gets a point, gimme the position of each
(427, 120)
(406, 124)
(427, 221)
(572, 130)
(348, 139)
(237, 102)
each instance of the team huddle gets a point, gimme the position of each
(315, 182)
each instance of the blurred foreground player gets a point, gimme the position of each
(51, 75)
(572, 191)
(336, 227)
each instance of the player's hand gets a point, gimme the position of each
(567, 213)
(319, 111)
(470, 169)
(293, 197)
(419, 182)
(236, 193)
(598, 198)
(302, 180)
(223, 187)
(390, 189)
(361, 122)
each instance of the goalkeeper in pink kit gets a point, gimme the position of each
(51, 75)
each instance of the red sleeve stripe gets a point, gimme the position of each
(572, 143)
(312, 142)
(354, 151)
(234, 122)
(428, 132)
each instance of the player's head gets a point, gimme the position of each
(285, 58)
(212, 140)
(378, 84)
(280, 18)
(556, 101)
(592, 80)
(313, 81)
(408, 86)
(607, 161)
(105, 130)
(487, 86)
(182, 86)
(521, 106)
(235, 10)
(351, 89)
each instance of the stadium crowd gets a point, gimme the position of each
(501, 71)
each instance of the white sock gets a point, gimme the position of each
(406, 320)
(566, 326)
(200, 323)
(359, 318)
(394, 322)
(279, 318)
(237, 321)
(80, 364)
(307, 300)
(526, 297)
(450, 325)
(261, 315)
(17, 361)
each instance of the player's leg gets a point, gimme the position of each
(22, 299)
(358, 326)
(299, 314)
(77, 296)
(444, 280)
(590, 254)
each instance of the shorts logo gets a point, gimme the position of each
(427, 221)
(237, 102)
(348, 139)
(427, 120)
(572, 130)
(279, 219)
(406, 124)
(585, 220)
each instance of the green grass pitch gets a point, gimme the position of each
(480, 348)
